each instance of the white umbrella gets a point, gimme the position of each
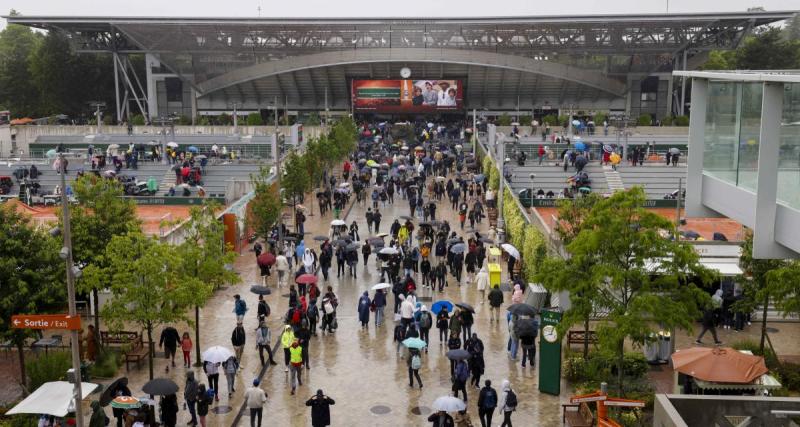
(344, 184)
(511, 250)
(217, 354)
(448, 404)
(172, 144)
(53, 398)
(113, 147)
(381, 286)
(338, 222)
(388, 251)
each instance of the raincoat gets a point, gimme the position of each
(363, 308)
(516, 298)
(287, 337)
(482, 279)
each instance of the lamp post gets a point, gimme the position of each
(533, 177)
(501, 154)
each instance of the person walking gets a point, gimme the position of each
(455, 322)
(466, 324)
(230, 367)
(186, 347)
(527, 340)
(709, 320)
(263, 340)
(287, 338)
(212, 372)
(190, 396)
(296, 365)
(482, 282)
(460, 379)
(204, 400)
(454, 343)
(238, 338)
(508, 403)
(169, 410)
(425, 322)
(169, 341)
(263, 308)
(320, 409)
(239, 307)
(487, 401)
(414, 363)
(255, 398)
(442, 321)
(441, 419)
(364, 305)
(282, 266)
(495, 301)
(476, 363)
(379, 301)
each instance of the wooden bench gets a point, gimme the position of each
(578, 337)
(582, 417)
(119, 338)
(137, 353)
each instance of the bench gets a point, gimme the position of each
(578, 337)
(582, 417)
(137, 353)
(119, 338)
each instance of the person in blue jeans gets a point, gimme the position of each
(513, 339)
(190, 395)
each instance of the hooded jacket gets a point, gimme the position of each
(496, 297)
(287, 337)
(516, 298)
(308, 260)
(482, 279)
(190, 390)
(506, 387)
(98, 415)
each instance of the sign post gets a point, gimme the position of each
(46, 321)
(550, 353)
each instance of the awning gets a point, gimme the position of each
(765, 382)
(723, 268)
(53, 398)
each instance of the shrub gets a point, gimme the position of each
(224, 119)
(137, 120)
(681, 121)
(575, 369)
(789, 376)
(202, 121)
(550, 119)
(504, 120)
(312, 119)
(106, 365)
(183, 121)
(599, 118)
(644, 120)
(254, 119)
(49, 367)
(667, 121)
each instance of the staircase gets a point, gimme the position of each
(166, 180)
(613, 179)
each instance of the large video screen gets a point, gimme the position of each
(407, 96)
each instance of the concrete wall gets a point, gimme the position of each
(5, 141)
(694, 410)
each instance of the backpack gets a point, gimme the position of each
(312, 312)
(296, 316)
(511, 399)
(462, 372)
(490, 400)
(416, 362)
(425, 321)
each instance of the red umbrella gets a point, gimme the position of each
(266, 259)
(722, 364)
(306, 279)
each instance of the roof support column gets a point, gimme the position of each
(152, 98)
(694, 159)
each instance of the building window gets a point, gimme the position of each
(174, 87)
(789, 155)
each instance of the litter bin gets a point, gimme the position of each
(536, 295)
(650, 348)
(494, 274)
(664, 345)
(494, 255)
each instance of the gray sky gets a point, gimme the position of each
(382, 8)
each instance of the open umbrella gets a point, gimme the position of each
(351, 247)
(192, 149)
(388, 251)
(719, 364)
(522, 309)
(441, 304)
(344, 185)
(320, 238)
(479, 178)
(306, 279)
(372, 164)
(51, 154)
(458, 248)
(486, 240)
(608, 149)
(526, 327)
(160, 387)
(337, 223)
(580, 146)
(381, 286)
(126, 402)
(216, 354)
(172, 144)
(459, 354)
(511, 250)
(381, 235)
(107, 396)
(466, 306)
(266, 259)
(260, 290)
(406, 217)
(441, 178)
(414, 342)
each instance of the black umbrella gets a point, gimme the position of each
(458, 354)
(465, 306)
(522, 310)
(486, 240)
(341, 242)
(526, 327)
(352, 247)
(424, 223)
(108, 394)
(290, 238)
(160, 387)
(258, 290)
(320, 238)
(407, 218)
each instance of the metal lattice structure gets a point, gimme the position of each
(597, 52)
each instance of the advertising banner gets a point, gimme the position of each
(407, 96)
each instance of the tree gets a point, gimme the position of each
(343, 137)
(266, 203)
(254, 119)
(17, 90)
(147, 284)
(504, 120)
(640, 277)
(792, 29)
(101, 214)
(758, 290)
(295, 181)
(31, 276)
(205, 259)
(768, 51)
(558, 274)
(719, 60)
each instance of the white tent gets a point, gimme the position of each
(53, 398)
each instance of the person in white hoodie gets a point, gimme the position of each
(308, 261)
(282, 266)
(482, 282)
(507, 406)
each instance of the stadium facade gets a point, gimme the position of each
(535, 65)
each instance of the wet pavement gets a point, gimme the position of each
(361, 370)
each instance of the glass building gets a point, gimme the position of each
(744, 154)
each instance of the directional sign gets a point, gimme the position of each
(46, 321)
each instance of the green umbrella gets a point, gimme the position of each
(125, 402)
(414, 342)
(372, 163)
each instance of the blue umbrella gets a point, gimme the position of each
(439, 305)
(479, 178)
(414, 343)
(192, 149)
(458, 248)
(580, 146)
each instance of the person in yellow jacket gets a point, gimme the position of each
(287, 338)
(402, 234)
(296, 364)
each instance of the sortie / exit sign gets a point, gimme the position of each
(46, 321)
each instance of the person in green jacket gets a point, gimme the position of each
(98, 415)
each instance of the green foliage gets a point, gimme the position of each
(550, 119)
(254, 119)
(48, 367)
(525, 120)
(202, 121)
(224, 119)
(789, 376)
(295, 180)
(504, 120)
(204, 254)
(492, 174)
(563, 120)
(771, 49)
(720, 60)
(599, 118)
(667, 120)
(681, 121)
(312, 119)
(183, 120)
(792, 29)
(644, 120)
(137, 120)
(343, 137)
(106, 365)
(600, 366)
(265, 205)
(20, 420)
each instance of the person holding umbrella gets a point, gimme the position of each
(414, 363)
(379, 301)
(527, 330)
(442, 320)
(363, 309)
(460, 378)
(441, 419)
(119, 388)
(320, 409)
